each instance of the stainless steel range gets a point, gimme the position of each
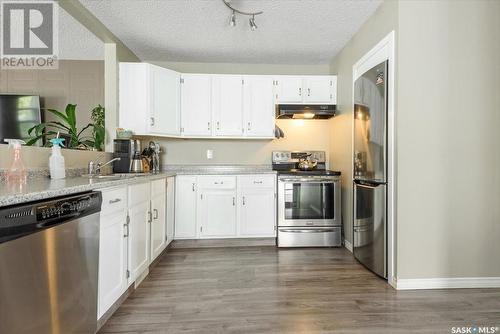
(309, 210)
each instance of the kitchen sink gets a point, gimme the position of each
(113, 176)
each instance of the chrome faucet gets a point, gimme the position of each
(95, 167)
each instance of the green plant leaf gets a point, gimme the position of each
(58, 114)
(71, 114)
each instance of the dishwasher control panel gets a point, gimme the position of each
(20, 220)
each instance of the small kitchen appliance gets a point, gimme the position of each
(309, 208)
(129, 152)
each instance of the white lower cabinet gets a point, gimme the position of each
(158, 218)
(170, 215)
(257, 202)
(218, 214)
(225, 206)
(185, 207)
(133, 232)
(113, 248)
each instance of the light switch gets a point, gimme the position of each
(210, 154)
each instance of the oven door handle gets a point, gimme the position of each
(320, 230)
(307, 181)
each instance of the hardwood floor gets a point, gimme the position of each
(266, 290)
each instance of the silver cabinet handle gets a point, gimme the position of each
(308, 91)
(234, 201)
(249, 126)
(156, 213)
(221, 182)
(150, 216)
(300, 91)
(193, 186)
(218, 125)
(243, 200)
(208, 125)
(257, 182)
(116, 200)
(152, 121)
(126, 228)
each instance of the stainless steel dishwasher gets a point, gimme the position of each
(49, 256)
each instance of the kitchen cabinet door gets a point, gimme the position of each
(112, 259)
(217, 213)
(165, 101)
(170, 216)
(289, 89)
(318, 89)
(196, 101)
(257, 205)
(158, 216)
(227, 104)
(134, 97)
(258, 104)
(138, 231)
(185, 207)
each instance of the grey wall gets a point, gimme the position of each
(75, 81)
(308, 134)
(377, 27)
(448, 222)
(447, 138)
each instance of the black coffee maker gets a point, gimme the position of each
(129, 152)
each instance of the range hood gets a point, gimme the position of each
(305, 111)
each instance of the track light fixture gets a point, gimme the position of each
(253, 26)
(232, 19)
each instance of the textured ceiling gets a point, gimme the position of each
(76, 41)
(290, 31)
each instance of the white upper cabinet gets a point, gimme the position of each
(196, 105)
(227, 104)
(289, 89)
(318, 89)
(165, 106)
(313, 89)
(259, 111)
(149, 99)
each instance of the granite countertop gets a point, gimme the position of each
(42, 187)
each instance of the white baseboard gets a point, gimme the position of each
(448, 283)
(348, 245)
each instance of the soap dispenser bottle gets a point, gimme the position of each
(56, 160)
(17, 171)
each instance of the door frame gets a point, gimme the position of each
(382, 51)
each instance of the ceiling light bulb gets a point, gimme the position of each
(253, 26)
(232, 20)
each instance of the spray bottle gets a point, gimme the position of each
(17, 171)
(56, 160)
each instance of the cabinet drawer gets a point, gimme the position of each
(158, 187)
(114, 199)
(138, 193)
(217, 182)
(257, 181)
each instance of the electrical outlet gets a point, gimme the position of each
(210, 154)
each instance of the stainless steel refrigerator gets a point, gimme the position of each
(370, 169)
